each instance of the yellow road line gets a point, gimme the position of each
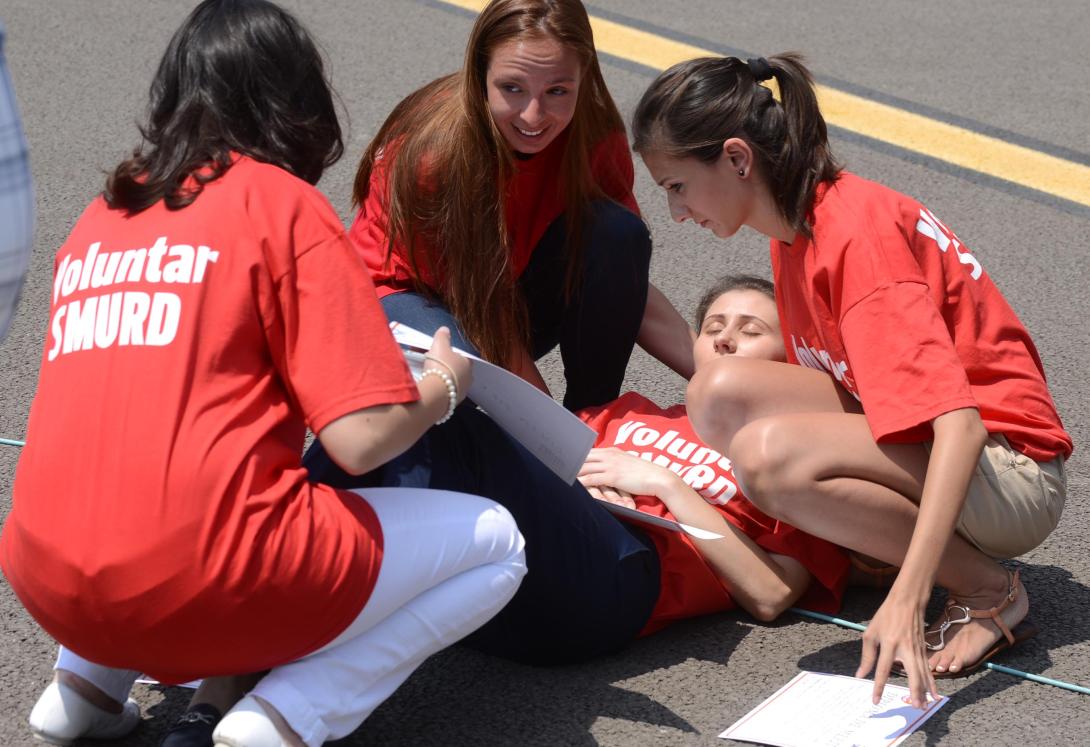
(946, 142)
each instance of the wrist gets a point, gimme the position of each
(670, 485)
(447, 393)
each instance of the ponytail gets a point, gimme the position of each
(692, 108)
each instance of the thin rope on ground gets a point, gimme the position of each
(988, 665)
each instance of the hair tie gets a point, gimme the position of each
(760, 68)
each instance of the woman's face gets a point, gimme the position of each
(740, 322)
(710, 195)
(532, 87)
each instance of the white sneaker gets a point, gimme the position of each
(247, 725)
(61, 716)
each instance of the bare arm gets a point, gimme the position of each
(665, 335)
(897, 629)
(363, 440)
(527, 369)
(762, 583)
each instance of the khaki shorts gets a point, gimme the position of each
(1013, 502)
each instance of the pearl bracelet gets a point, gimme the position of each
(452, 391)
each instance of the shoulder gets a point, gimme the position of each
(857, 211)
(280, 201)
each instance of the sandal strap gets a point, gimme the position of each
(993, 613)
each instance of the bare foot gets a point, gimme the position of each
(966, 644)
(286, 732)
(87, 691)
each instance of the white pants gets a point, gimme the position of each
(450, 562)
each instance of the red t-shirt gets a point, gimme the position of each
(689, 585)
(161, 518)
(534, 200)
(889, 301)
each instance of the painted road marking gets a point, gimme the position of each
(961, 147)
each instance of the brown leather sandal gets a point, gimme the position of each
(960, 614)
(872, 576)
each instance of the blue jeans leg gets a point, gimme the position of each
(593, 580)
(424, 315)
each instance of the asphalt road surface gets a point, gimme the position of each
(1015, 72)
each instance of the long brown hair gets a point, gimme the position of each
(447, 178)
(692, 108)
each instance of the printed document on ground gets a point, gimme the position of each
(831, 710)
(537, 421)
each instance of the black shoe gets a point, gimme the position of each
(193, 728)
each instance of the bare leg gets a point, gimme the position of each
(804, 456)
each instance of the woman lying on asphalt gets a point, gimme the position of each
(162, 521)
(959, 459)
(596, 582)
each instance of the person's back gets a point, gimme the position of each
(875, 257)
(177, 345)
(206, 310)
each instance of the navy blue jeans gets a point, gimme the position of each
(596, 329)
(593, 580)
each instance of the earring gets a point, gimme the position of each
(741, 172)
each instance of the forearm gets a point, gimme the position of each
(363, 440)
(665, 335)
(762, 584)
(959, 439)
(526, 368)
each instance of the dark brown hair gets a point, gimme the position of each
(238, 75)
(729, 283)
(448, 166)
(692, 108)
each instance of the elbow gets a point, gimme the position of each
(767, 610)
(354, 462)
(963, 426)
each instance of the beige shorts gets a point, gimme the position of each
(1013, 502)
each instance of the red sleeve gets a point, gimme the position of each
(613, 170)
(827, 563)
(335, 351)
(903, 361)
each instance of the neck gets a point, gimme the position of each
(768, 219)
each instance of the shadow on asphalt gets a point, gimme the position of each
(1057, 607)
(460, 696)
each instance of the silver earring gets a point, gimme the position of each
(741, 172)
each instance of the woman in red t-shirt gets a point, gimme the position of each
(498, 201)
(161, 520)
(598, 580)
(959, 458)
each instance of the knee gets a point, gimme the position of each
(717, 398)
(768, 471)
(619, 234)
(505, 536)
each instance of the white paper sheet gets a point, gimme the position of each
(831, 710)
(541, 424)
(658, 521)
